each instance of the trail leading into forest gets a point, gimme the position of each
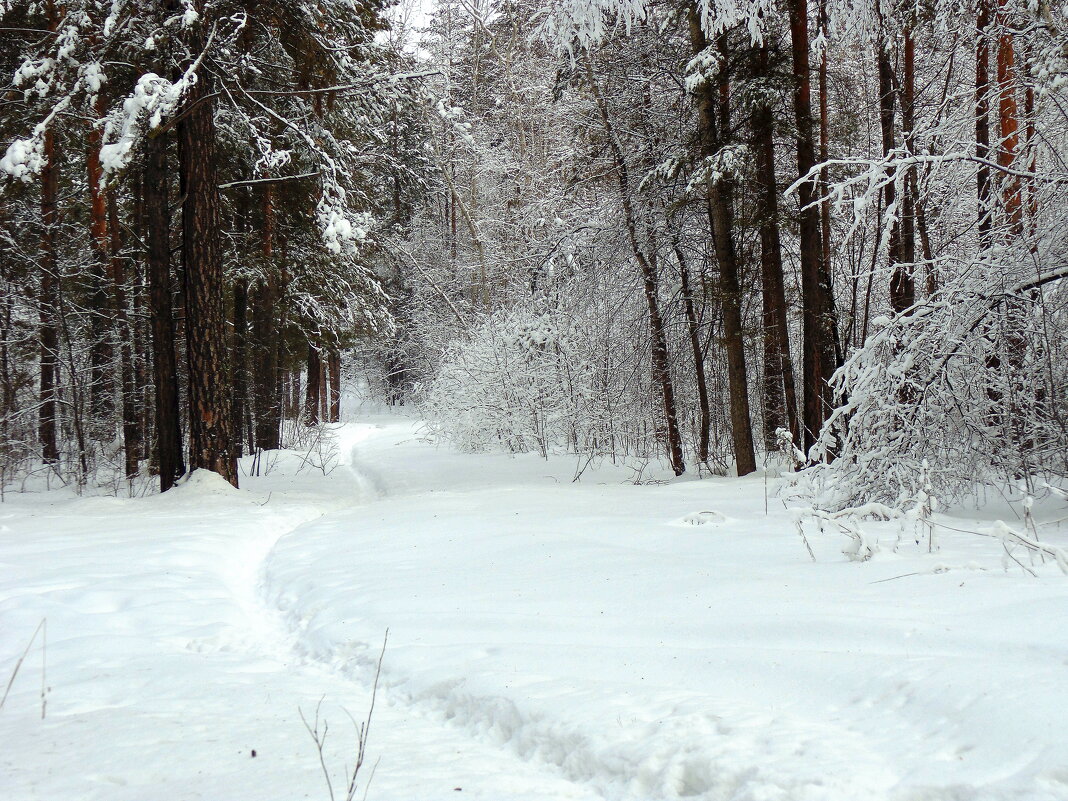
(548, 640)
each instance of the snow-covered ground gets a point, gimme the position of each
(547, 640)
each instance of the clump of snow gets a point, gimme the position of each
(203, 482)
(703, 519)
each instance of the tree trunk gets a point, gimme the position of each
(909, 199)
(267, 395)
(1008, 118)
(780, 393)
(713, 117)
(49, 302)
(825, 149)
(131, 428)
(335, 386)
(819, 334)
(239, 367)
(311, 397)
(705, 425)
(160, 309)
(657, 335)
(210, 420)
(101, 307)
(982, 120)
(901, 292)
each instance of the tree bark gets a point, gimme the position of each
(714, 116)
(239, 367)
(335, 385)
(780, 393)
(211, 431)
(901, 291)
(1008, 118)
(101, 308)
(705, 425)
(266, 377)
(311, 397)
(161, 312)
(820, 355)
(131, 428)
(982, 120)
(49, 302)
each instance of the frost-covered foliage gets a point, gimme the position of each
(543, 379)
(970, 382)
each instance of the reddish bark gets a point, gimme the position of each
(211, 431)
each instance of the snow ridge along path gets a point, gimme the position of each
(548, 640)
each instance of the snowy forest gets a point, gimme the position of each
(705, 232)
(297, 296)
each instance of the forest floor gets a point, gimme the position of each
(547, 640)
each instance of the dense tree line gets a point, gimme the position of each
(712, 231)
(676, 223)
(198, 196)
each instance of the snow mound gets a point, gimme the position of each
(200, 483)
(704, 518)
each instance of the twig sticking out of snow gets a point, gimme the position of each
(1010, 536)
(362, 731)
(847, 521)
(42, 629)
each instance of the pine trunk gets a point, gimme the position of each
(982, 120)
(780, 393)
(1009, 124)
(820, 355)
(335, 386)
(211, 431)
(267, 390)
(311, 397)
(101, 308)
(161, 312)
(131, 426)
(693, 328)
(713, 116)
(239, 367)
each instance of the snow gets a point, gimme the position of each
(547, 640)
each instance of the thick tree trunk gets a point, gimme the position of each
(1008, 118)
(211, 431)
(780, 393)
(161, 312)
(239, 367)
(266, 377)
(819, 331)
(311, 397)
(49, 302)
